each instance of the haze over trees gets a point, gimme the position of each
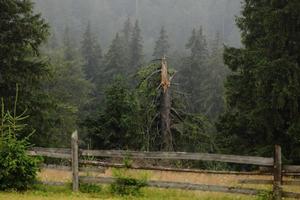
(96, 66)
(178, 18)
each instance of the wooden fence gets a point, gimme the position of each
(272, 165)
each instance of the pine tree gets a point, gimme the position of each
(194, 73)
(126, 37)
(216, 44)
(127, 31)
(192, 39)
(70, 93)
(161, 45)
(198, 47)
(118, 125)
(74, 64)
(263, 93)
(68, 45)
(214, 85)
(92, 55)
(114, 60)
(21, 34)
(136, 49)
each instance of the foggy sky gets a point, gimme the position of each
(178, 17)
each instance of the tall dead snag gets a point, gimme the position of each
(165, 107)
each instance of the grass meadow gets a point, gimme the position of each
(41, 192)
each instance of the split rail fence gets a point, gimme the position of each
(272, 165)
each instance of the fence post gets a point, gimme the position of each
(277, 173)
(74, 144)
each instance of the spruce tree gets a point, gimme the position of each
(192, 39)
(118, 124)
(214, 83)
(263, 93)
(136, 49)
(114, 61)
(74, 65)
(198, 47)
(70, 93)
(21, 34)
(68, 45)
(161, 45)
(194, 73)
(92, 55)
(127, 31)
(126, 37)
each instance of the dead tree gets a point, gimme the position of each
(165, 107)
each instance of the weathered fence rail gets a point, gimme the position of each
(49, 154)
(98, 169)
(261, 161)
(66, 153)
(267, 182)
(285, 169)
(179, 185)
(172, 169)
(271, 165)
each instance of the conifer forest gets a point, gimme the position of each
(207, 76)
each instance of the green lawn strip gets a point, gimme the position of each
(42, 192)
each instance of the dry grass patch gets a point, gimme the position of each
(200, 178)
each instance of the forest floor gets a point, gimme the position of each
(64, 192)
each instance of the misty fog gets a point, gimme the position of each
(178, 16)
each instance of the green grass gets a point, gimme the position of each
(65, 193)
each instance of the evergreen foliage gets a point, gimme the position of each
(92, 55)
(127, 31)
(136, 49)
(194, 73)
(262, 93)
(90, 188)
(213, 87)
(70, 94)
(115, 59)
(66, 86)
(161, 45)
(128, 184)
(186, 128)
(21, 34)
(126, 38)
(69, 49)
(93, 68)
(117, 126)
(18, 170)
(148, 93)
(130, 118)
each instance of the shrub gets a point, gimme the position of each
(266, 195)
(127, 184)
(17, 170)
(89, 188)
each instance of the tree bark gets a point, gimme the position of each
(165, 109)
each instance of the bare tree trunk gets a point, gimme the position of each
(166, 121)
(165, 108)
